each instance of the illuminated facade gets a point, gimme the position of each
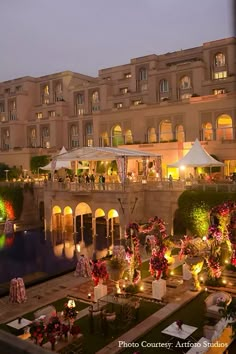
(156, 102)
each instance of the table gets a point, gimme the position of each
(23, 323)
(182, 334)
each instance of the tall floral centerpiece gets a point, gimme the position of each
(99, 271)
(194, 251)
(218, 238)
(160, 244)
(37, 332)
(133, 256)
(117, 264)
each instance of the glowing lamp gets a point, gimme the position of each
(71, 304)
(182, 168)
(141, 288)
(89, 295)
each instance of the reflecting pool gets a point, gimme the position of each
(31, 255)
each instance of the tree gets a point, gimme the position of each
(38, 161)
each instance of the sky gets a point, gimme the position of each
(40, 37)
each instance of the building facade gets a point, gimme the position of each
(159, 103)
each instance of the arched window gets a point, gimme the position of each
(128, 137)
(219, 59)
(143, 74)
(166, 132)
(117, 137)
(180, 136)
(74, 130)
(95, 97)
(207, 131)
(185, 82)
(152, 137)
(105, 139)
(164, 86)
(224, 128)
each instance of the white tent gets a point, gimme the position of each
(197, 157)
(58, 164)
(102, 153)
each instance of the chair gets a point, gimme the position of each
(47, 312)
(214, 302)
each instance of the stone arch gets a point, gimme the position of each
(105, 139)
(114, 227)
(100, 229)
(166, 131)
(83, 223)
(68, 223)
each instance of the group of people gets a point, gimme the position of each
(81, 179)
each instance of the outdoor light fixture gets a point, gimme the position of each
(141, 288)
(172, 272)
(78, 247)
(71, 304)
(89, 295)
(204, 238)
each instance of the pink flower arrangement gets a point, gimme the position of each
(99, 271)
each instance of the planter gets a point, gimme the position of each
(115, 274)
(195, 265)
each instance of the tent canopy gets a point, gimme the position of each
(197, 157)
(102, 153)
(58, 164)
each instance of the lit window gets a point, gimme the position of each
(119, 105)
(128, 75)
(90, 142)
(52, 114)
(46, 90)
(39, 115)
(219, 59)
(220, 75)
(124, 90)
(218, 91)
(80, 111)
(185, 82)
(143, 74)
(164, 86)
(46, 100)
(137, 102)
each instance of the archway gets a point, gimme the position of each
(68, 223)
(57, 227)
(83, 223)
(101, 230)
(113, 227)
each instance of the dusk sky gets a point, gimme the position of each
(49, 36)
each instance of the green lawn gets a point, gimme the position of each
(92, 342)
(191, 314)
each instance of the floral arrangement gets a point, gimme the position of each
(53, 327)
(132, 250)
(37, 331)
(69, 312)
(156, 229)
(118, 259)
(99, 271)
(220, 301)
(193, 247)
(158, 263)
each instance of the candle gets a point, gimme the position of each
(89, 296)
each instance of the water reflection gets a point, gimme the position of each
(27, 252)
